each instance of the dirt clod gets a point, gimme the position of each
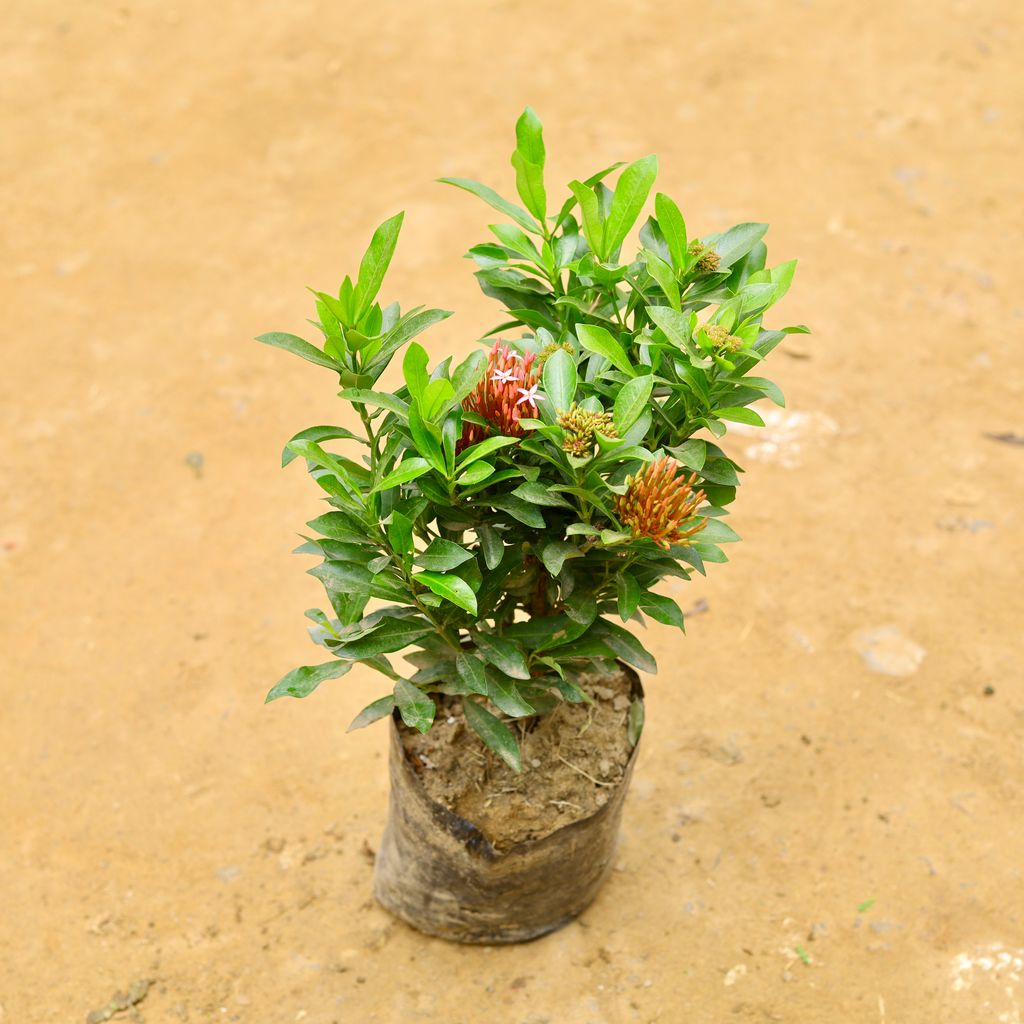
(121, 1002)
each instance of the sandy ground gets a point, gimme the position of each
(173, 176)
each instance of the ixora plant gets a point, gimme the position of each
(515, 510)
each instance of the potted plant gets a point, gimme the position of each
(513, 512)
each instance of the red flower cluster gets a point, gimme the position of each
(660, 505)
(507, 392)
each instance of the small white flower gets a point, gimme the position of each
(504, 376)
(529, 395)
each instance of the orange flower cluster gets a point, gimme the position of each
(660, 505)
(507, 392)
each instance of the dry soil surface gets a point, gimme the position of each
(843, 722)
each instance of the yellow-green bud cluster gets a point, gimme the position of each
(708, 262)
(721, 340)
(550, 349)
(580, 426)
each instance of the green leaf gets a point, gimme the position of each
(379, 398)
(735, 243)
(415, 707)
(662, 609)
(372, 712)
(555, 552)
(471, 672)
(739, 414)
(538, 494)
(451, 588)
(485, 447)
(410, 469)
(338, 526)
(635, 722)
(631, 192)
(442, 555)
(312, 452)
(676, 326)
(673, 228)
(631, 401)
(720, 470)
(414, 369)
(625, 645)
(407, 328)
(489, 196)
(691, 453)
(528, 161)
(476, 474)
(710, 552)
(717, 532)
(502, 654)
(628, 595)
(436, 399)
(492, 546)
(426, 443)
(375, 263)
(301, 682)
(298, 347)
(400, 534)
(570, 203)
(590, 211)
(581, 608)
(599, 341)
(386, 637)
(348, 577)
(467, 374)
(560, 380)
(663, 275)
(512, 238)
(768, 388)
(505, 695)
(518, 509)
(324, 433)
(494, 732)
(567, 688)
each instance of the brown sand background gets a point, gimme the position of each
(174, 175)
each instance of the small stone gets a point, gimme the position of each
(735, 974)
(883, 927)
(229, 874)
(889, 651)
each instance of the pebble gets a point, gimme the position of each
(883, 927)
(955, 523)
(889, 651)
(735, 974)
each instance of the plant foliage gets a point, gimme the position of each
(514, 510)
